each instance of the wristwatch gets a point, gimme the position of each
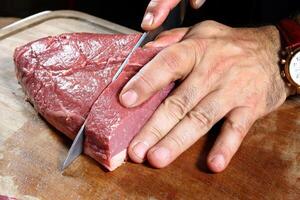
(290, 60)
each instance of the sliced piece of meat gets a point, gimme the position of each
(63, 75)
(110, 126)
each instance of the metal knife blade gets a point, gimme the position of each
(138, 44)
(174, 19)
(76, 148)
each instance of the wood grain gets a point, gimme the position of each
(267, 166)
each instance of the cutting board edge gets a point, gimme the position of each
(40, 17)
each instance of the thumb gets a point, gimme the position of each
(170, 64)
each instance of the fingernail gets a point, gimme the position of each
(162, 153)
(129, 98)
(218, 161)
(140, 149)
(148, 19)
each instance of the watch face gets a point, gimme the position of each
(294, 68)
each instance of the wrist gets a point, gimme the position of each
(272, 35)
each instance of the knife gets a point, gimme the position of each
(174, 19)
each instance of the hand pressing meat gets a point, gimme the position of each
(224, 72)
(111, 126)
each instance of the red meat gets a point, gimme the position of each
(63, 75)
(110, 126)
(68, 78)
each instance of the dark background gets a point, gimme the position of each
(130, 12)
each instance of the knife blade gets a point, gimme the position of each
(76, 148)
(174, 19)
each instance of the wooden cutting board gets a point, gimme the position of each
(267, 166)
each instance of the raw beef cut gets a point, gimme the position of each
(110, 126)
(63, 75)
(68, 79)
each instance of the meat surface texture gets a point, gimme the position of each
(68, 78)
(63, 75)
(110, 126)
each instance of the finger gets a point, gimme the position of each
(196, 123)
(156, 12)
(235, 128)
(196, 3)
(169, 37)
(168, 114)
(172, 63)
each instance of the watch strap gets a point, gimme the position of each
(290, 33)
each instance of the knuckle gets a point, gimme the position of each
(192, 50)
(145, 81)
(156, 133)
(210, 28)
(237, 128)
(177, 59)
(227, 151)
(199, 45)
(171, 60)
(211, 25)
(234, 48)
(178, 141)
(176, 106)
(200, 117)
